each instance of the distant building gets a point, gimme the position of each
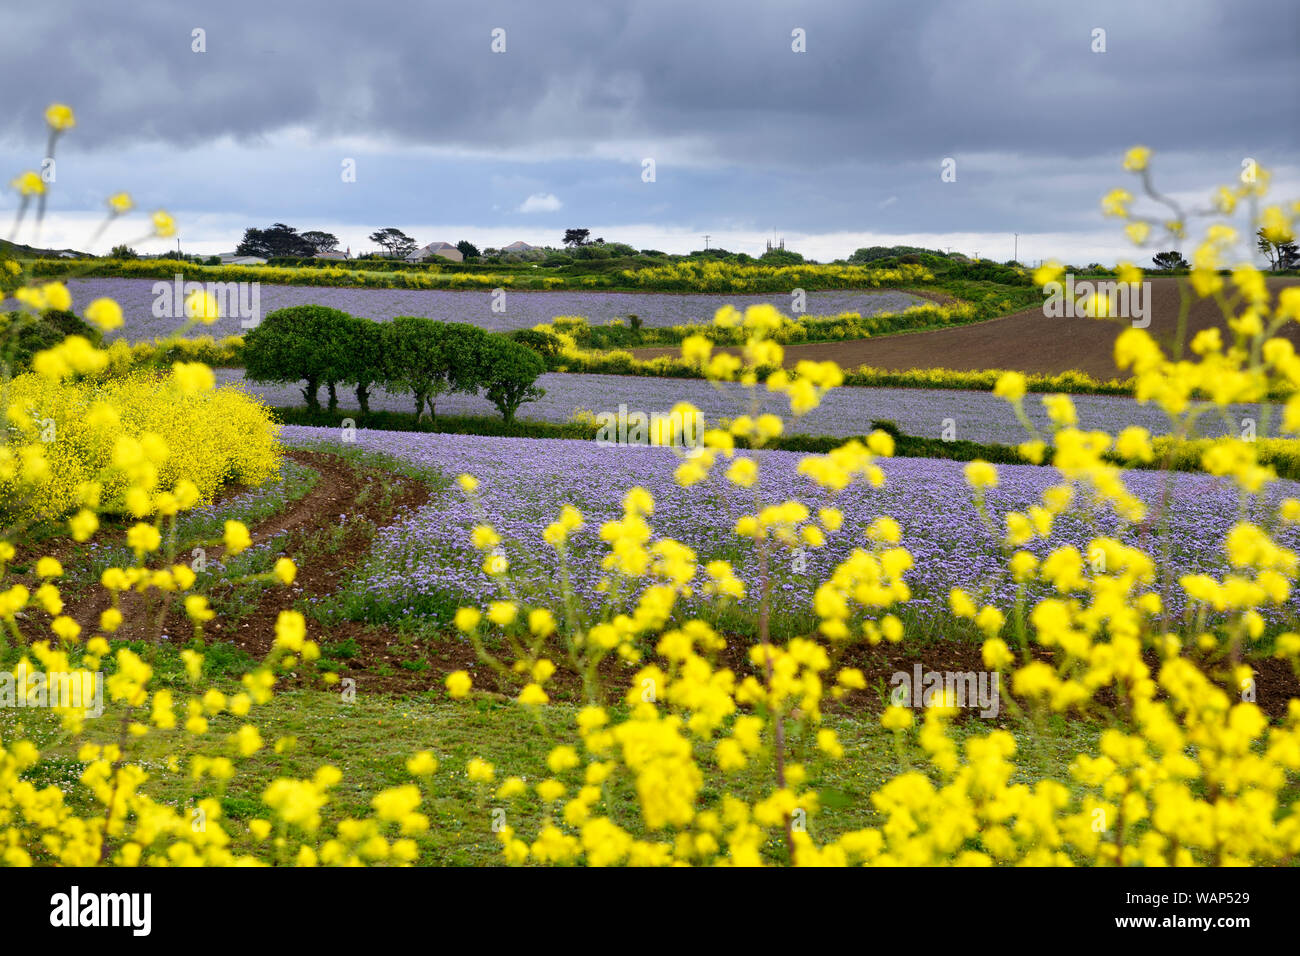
(232, 259)
(444, 249)
(519, 247)
(331, 254)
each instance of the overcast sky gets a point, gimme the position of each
(833, 148)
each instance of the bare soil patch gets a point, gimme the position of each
(1024, 342)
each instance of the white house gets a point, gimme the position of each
(444, 249)
(232, 259)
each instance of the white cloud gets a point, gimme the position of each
(541, 202)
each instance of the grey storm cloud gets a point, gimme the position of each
(880, 82)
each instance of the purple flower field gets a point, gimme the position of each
(975, 416)
(427, 561)
(524, 309)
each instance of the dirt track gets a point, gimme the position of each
(1027, 341)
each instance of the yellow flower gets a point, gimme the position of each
(202, 305)
(459, 684)
(164, 226)
(896, 718)
(1135, 160)
(829, 744)
(192, 378)
(997, 656)
(143, 538)
(550, 790)
(480, 770)
(290, 630)
(65, 627)
(1011, 386)
(467, 618)
(541, 623)
(60, 117)
(422, 764)
(120, 203)
(28, 183)
(743, 472)
(533, 694)
(502, 613)
(285, 570)
(105, 313)
(1137, 232)
(980, 474)
(57, 296)
(49, 568)
(196, 606)
(236, 537)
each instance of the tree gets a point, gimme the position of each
(872, 253)
(397, 243)
(468, 249)
(278, 240)
(1169, 261)
(429, 358)
(576, 237)
(303, 343)
(321, 241)
(364, 357)
(123, 252)
(508, 371)
(781, 257)
(394, 241)
(1282, 253)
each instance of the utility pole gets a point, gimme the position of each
(1016, 254)
(706, 242)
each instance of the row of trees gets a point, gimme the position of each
(284, 240)
(413, 355)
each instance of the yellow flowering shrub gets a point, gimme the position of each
(87, 436)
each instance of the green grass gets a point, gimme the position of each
(371, 738)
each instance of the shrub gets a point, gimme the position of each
(303, 343)
(23, 334)
(214, 436)
(543, 341)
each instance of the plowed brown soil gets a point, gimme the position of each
(1025, 342)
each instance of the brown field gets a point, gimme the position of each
(1026, 342)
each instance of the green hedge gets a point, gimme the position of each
(441, 424)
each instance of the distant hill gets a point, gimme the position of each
(17, 250)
